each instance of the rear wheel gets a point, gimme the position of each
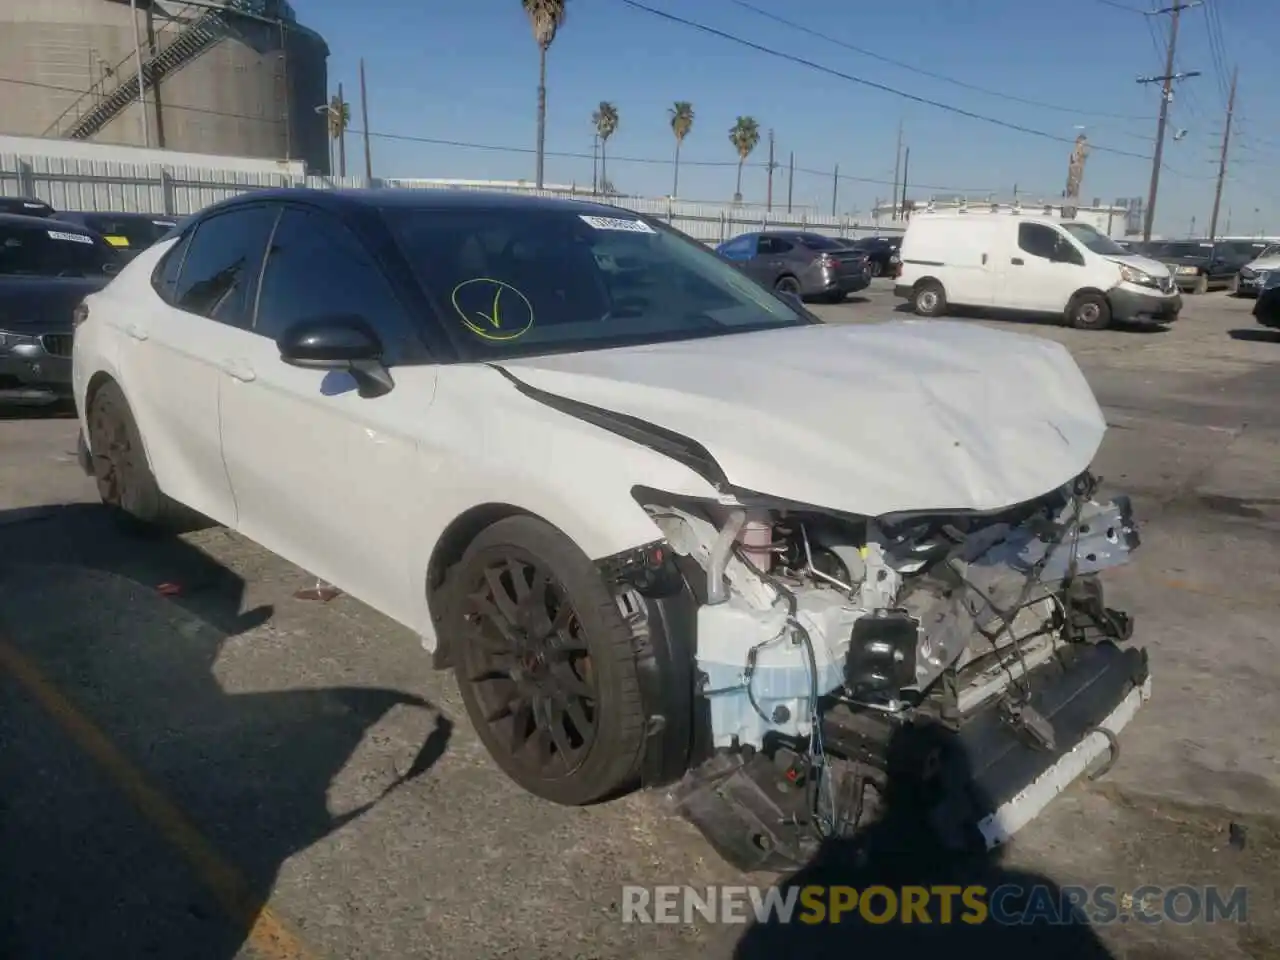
(788, 285)
(1089, 311)
(545, 663)
(928, 299)
(119, 463)
(876, 268)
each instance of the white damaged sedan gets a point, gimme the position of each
(666, 527)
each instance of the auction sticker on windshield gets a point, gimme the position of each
(73, 237)
(613, 223)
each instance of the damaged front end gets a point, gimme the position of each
(967, 661)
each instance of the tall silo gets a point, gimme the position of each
(238, 77)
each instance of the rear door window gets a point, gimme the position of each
(61, 250)
(219, 274)
(741, 248)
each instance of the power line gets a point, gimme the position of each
(883, 88)
(929, 73)
(500, 148)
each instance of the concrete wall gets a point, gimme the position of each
(252, 93)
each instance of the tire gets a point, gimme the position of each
(1089, 311)
(583, 667)
(119, 465)
(1234, 288)
(1202, 285)
(788, 285)
(928, 299)
(877, 269)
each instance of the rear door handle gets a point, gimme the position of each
(238, 370)
(1016, 261)
(136, 331)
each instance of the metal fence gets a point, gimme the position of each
(102, 185)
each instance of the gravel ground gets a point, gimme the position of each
(195, 763)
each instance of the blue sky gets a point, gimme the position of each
(468, 73)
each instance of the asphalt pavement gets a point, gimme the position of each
(197, 763)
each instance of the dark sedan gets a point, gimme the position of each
(25, 206)
(1267, 309)
(46, 268)
(129, 233)
(883, 254)
(802, 264)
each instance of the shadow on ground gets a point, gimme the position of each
(1035, 320)
(87, 869)
(1255, 334)
(1026, 916)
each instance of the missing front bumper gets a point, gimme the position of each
(975, 788)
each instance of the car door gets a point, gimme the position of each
(175, 345)
(1044, 270)
(322, 476)
(769, 261)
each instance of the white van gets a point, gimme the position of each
(1033, 265)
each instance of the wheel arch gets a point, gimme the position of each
(1087, 291)
(928, 280)
(448, 550)
(97, 381)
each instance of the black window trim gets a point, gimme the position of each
(418, 352)
(182, 243)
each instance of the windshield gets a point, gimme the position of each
(1091, 239)
(1189, 251)
(36, 252)
(1271, 251)
(131, 233)
(526, 281)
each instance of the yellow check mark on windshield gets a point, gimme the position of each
(493, 316)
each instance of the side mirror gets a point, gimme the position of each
(345, 343)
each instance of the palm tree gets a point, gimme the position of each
(339, 118)
(546, 18)
(744, 135)
(681, 113)
(605, 118)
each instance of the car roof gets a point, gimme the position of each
(339, 201)
(21, 220)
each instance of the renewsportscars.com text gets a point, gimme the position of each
(1009, 904)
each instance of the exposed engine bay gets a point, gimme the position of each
(830, 648)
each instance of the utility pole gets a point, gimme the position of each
(835, 188)
(142, 95)
(1222, 161)
(342, 134)
(791, 178)
(768, 197)
(364, 122)
(897, 160)
(1166, 82)
(906, 162)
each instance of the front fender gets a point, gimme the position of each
(486, 443)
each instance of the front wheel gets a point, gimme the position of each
(1202, 285)
(876, 269)
(788, 285)
(1089, 311)
(545, 663)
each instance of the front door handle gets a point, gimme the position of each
(1016, 261)
(238, 370)
(136, 331)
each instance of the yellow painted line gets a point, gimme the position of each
(268, 937)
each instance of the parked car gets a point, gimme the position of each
(802, 264)
(1032, 265)
(46, 269)
(1198, 266)
(882, 253)
(130, 233)
(25, 206)
(1267, 309)
(1254, 274)
(610, 481)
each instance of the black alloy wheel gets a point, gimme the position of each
(529, 667)
(788, 285)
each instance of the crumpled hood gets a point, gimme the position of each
(1149, 265)
(868, 419)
